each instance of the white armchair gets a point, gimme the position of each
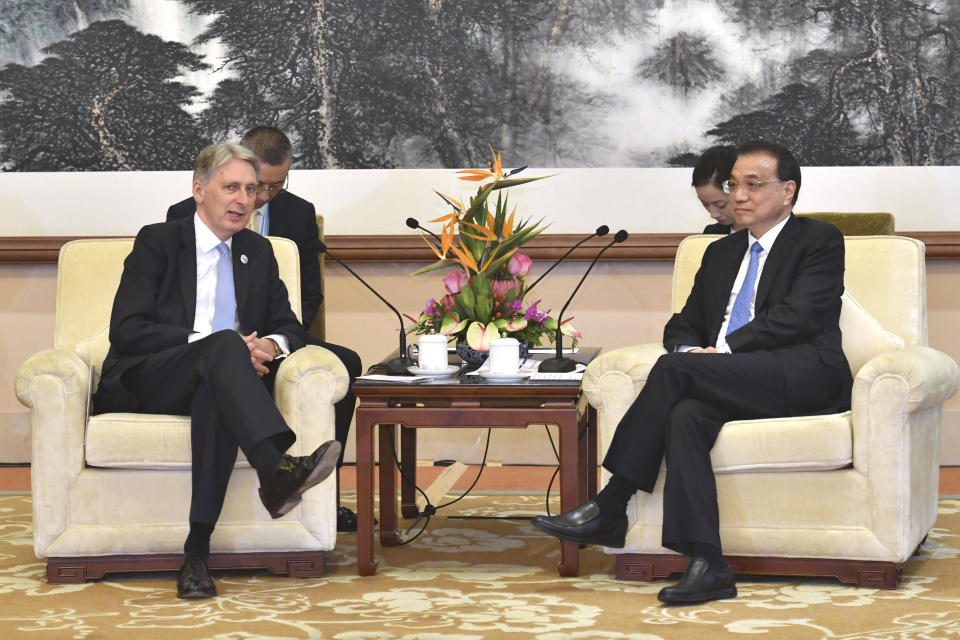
(112, 492)
(850, 495)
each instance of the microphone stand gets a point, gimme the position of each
(601, 231)
(559, 364)
(396, 366)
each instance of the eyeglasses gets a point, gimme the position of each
(274, 186)
(752, 186)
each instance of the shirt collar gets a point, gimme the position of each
(769, 237)
(206, 240)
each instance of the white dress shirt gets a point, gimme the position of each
(261, 220)
(207, 259)
(767, 243)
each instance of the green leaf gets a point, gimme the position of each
(466, 302)
(433, 267)
(484, 308)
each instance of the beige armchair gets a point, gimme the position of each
(850, 495)
(112, 492)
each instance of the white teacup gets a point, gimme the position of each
(430, 352)
(504, 355)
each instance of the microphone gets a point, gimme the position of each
(559, 364)
(413, 223)
(601, 231)
(397, 366)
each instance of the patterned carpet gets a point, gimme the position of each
(471, 578)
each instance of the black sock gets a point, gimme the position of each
(614, 497)
(198, 541)
(712, 554)
(264, 458)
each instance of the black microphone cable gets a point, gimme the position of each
(430, 510)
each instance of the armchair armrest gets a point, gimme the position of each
(309, 382)
(55, 385)
(896, 409)
(927, 377)
(612, 382)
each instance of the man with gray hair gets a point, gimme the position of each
(277, 212)
(180, 344)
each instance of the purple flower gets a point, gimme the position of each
(516, 305)
(429, 309)
(535, 314)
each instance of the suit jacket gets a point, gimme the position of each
(155, 303)
(294, 218)
(796, 311)
(716, 227)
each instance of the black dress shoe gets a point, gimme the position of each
(346, 520)
(585, 525)
(700, 584)
(294, 475)
(194, 581)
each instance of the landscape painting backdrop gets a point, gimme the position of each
(114, 85)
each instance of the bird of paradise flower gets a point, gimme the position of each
(480, 239)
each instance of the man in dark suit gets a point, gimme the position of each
(277, 212)
(758, 337)
(200, 316)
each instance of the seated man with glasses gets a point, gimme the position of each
(758, 337)
(277, 212)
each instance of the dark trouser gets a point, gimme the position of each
(343, 410)
(677, 416)
(213, 381)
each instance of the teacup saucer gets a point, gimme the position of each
(434, 373)
(505, 377)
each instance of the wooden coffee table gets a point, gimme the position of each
(466, 402)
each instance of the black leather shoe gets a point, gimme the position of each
(346, 520)
(294, 475)
(585, 525)
(700, 584)
(194, 581)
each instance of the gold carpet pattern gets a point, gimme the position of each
(472, 579)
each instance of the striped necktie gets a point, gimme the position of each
(225, 300)
(740, 313)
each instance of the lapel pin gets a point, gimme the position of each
(243, 258)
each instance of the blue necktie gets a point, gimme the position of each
(225, 300)
(740, 313)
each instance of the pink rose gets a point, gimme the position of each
(455, 281)
(519, 264)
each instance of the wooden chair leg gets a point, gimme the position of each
(862, 573)
(298, 564)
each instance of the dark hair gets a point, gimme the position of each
(787, 167)
(269, 144)
(714, 166)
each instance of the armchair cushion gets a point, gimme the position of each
(784, 445)
(140, 441)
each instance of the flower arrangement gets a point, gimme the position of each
(484, 293)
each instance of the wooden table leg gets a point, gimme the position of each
(591, 438)
(366, 562)
(569, 490)
(408, 480)
(389, 534)
(583, 461)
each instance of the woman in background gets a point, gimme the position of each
(710, 172)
